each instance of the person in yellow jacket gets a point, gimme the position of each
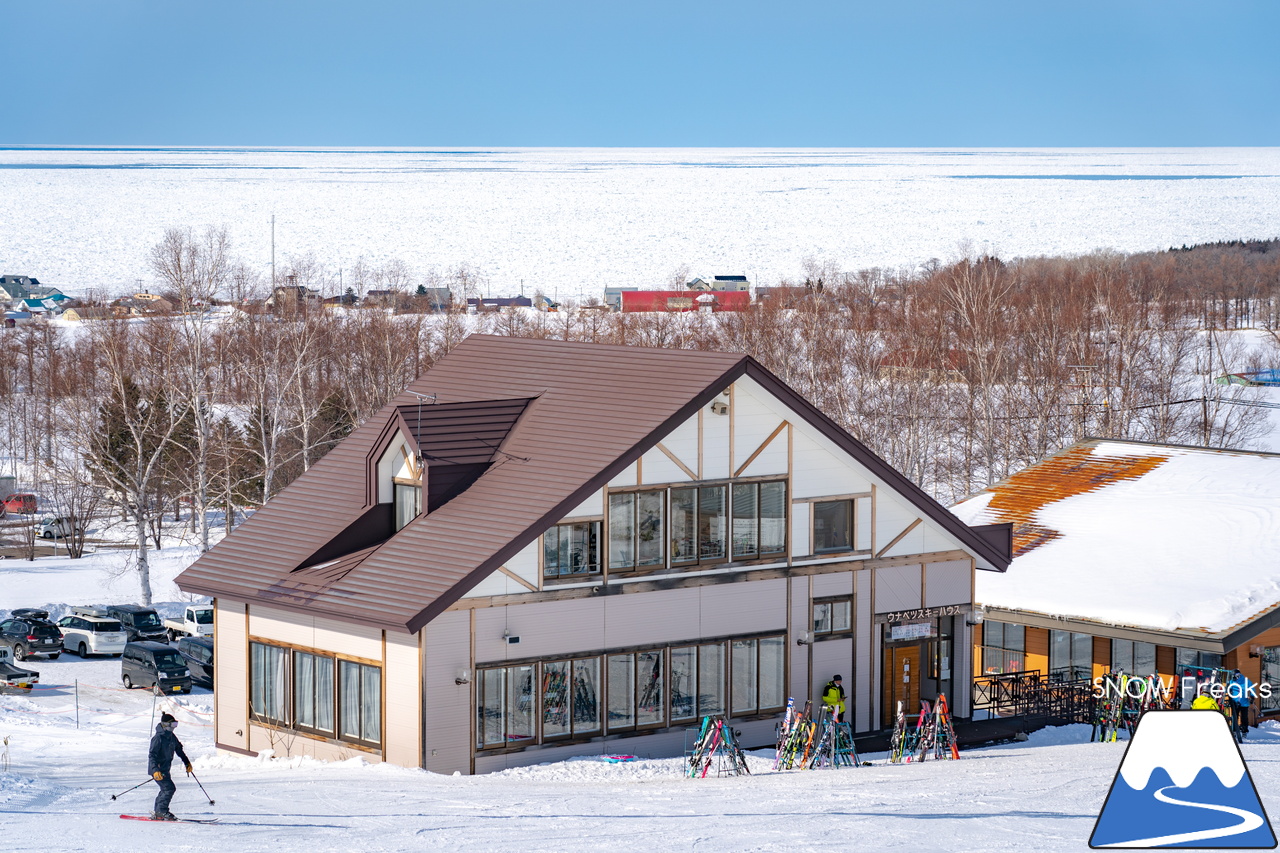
(833, 696)
(1204, 702)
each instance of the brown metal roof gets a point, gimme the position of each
(461, 433)
(591, 411)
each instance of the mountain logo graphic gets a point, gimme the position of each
(1183, 783)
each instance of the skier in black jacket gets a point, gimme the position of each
(159, 758)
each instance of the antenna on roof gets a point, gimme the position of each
(430, 398)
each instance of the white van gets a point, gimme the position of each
(87, 633)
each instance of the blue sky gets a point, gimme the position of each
(657, 73)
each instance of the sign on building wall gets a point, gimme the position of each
(913, 630)
(921, 613)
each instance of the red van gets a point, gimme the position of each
(21, 502)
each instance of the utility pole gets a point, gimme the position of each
(273, 251)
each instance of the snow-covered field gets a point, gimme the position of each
(1041, 795)
(571, 221)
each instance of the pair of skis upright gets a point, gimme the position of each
(717, 745)
(933, 734)
(808, 743)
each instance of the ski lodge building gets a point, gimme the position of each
(545, 549)
(1144, 557)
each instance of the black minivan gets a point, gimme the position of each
(198, 653)
(154, 665)
(140, 623)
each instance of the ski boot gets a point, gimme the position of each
(163, 816)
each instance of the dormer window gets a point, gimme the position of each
(408, 503)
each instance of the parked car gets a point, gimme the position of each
(58, 528)
(154, 665)
(140, 623)
(198, 653)
(15, 679)
(29, 632)
(21, 502)
(196, 621)
(85, 632)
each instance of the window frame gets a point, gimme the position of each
(288, 722)
(1004, 646)
(850, 522)
(635, 687)
(596, 522)
(698, 516)
(832, 632)
(398, 486)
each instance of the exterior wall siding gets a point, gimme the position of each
(897, 588)
(947, 583)
(231, 675)
(864, 664)
(402, 702)
(1037, 657)
(446, 705)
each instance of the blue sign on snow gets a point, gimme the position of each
(1183, 783)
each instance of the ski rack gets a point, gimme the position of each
(716, 745)
(917, 736)
(805, 743)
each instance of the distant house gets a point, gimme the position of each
(143, 305)
(917, 366)
(13, 318)
(613, 296)
(495, 303)
(17, 286)
(720, 284)
(786, 296)
(680, 301)
(437, 298)
(292, 295)
(90, 312)
(1252, 378)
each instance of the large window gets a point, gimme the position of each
(1192, 659)
(550, 700)
(1070, 656)
(635, 529)
(1133, 658)
(268, 683)
(318, 694)
(759, 520)
(699, 524)
(571, 549)
(313, 692)
(1270, 675)
(1004, 647)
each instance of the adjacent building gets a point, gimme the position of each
(544, 549)
(1147, 558)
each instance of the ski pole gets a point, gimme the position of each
(134, 788)
(202, 790)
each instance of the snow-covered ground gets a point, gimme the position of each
(1041, 795)
(571, 221)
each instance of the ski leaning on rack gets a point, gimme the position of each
(717, 745)
(160, 820)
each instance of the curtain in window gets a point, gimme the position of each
(622, 545)
(711, 699)
(304, 690)
(821, 618)
(349, 699)
(585, 698)
(746, 531)
(371, 704)
(408, 503)
(743, 665)
(267, 681)
(711, 522)
(622, 692)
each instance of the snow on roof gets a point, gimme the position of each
(1146, 535)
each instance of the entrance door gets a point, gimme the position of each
(902, 675)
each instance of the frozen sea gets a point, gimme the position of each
(571, 221)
